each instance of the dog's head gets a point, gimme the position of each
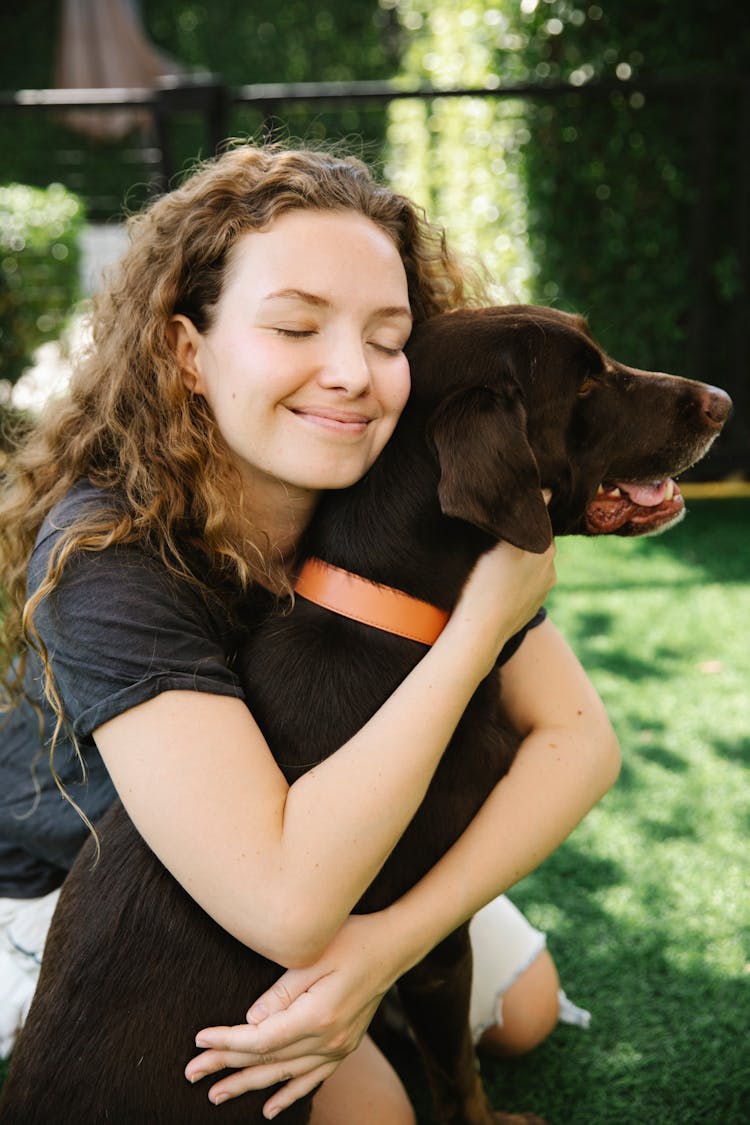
(522, 398)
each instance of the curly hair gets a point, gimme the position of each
(129, 424)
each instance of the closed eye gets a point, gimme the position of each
(586, 387)
(294, 333)
(385, 348)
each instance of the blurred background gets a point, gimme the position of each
(597, 156)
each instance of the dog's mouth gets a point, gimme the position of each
(627, 508)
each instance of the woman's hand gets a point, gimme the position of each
(503, 592)
(308, 1021)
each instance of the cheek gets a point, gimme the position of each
(394, 393)
(398, 386)
(243, 368)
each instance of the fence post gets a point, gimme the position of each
(205, 95)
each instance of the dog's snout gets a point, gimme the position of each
(716, 405)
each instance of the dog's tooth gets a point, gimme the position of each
(615, 492)
(670, 490)
(600, 490)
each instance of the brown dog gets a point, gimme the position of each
(505, 401)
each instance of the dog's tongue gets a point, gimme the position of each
(646, 495)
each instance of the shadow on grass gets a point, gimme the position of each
(639, 750)
(666, 759)
(711, 545)
(590, 635)
(715, 536)
(738, 751)
(667, 1041)
(631, 1069)
(668, 1036)
(681, 827)
(671, 1051)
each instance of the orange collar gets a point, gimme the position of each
(379, 606)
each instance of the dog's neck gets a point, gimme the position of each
(382, 607)
(389, 529)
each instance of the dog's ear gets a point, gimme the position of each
(488, 473)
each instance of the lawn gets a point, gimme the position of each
(647, 905)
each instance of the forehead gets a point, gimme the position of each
(312, 250)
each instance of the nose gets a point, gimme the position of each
(716, 406)
(345, 368)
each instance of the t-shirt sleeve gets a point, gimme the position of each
(120, 629)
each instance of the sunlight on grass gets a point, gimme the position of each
(668, 651)
(646, 906)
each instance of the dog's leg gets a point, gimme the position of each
(435, 995)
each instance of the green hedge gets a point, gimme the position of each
(634, 195)
(39, 269)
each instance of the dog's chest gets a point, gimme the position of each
(313, 680)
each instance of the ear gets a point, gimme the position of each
(185, 340)
(488, 473)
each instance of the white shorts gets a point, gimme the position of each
(23, 932)
(504, 944)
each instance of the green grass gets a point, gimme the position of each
(647, 905)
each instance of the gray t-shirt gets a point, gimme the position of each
(119, 629)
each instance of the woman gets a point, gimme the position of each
(246, 357)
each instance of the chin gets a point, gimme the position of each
(332, 481)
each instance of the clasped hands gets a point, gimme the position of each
(299, 1031)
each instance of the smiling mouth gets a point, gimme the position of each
(634, 509)
(334, 420)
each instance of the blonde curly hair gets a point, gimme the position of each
(128, 423)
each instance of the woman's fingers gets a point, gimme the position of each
(261, 1077)
(315, 1017)
(279, 997)
(224, 1055)
(288, 1029)
(300, 1075)
(210, 1062)
(282, 1038)
(282, 994)
(295, 1089)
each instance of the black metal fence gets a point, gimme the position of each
(215, 106)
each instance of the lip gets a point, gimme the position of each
(336, 421)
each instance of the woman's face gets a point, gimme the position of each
(303, 365)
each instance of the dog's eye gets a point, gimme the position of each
(586, 387)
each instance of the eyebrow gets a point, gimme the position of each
(321, 302)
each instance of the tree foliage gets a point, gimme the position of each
(462, 157)
(633, 201)
(39, 262)
(618, 188)
(268, 42)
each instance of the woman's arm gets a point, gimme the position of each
(281, 867)
(567, 761)
(313, 1017)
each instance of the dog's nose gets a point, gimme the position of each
(716, 405)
